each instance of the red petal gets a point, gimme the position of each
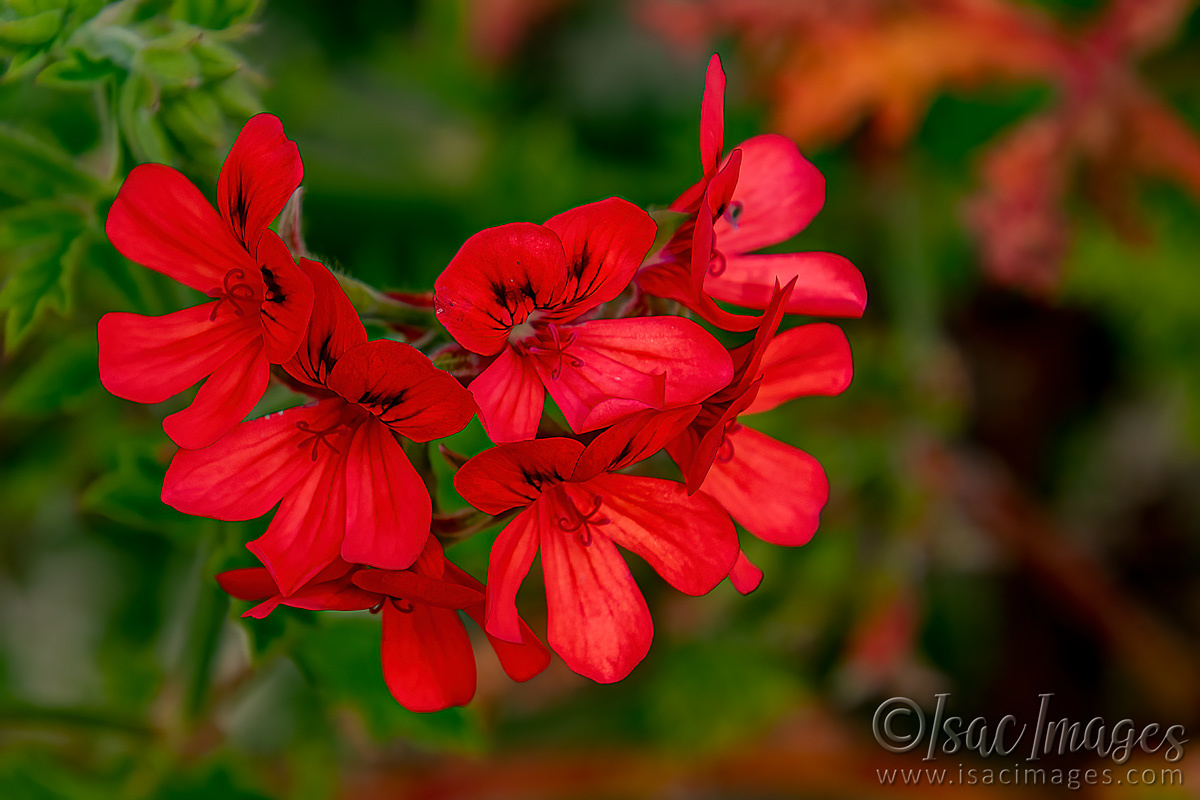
(829, 285)
(747, 359)
(510, 397)
(712, 116)
(307, 531)
(519, 661)
(512, 555)
(513, 475)
(288, 300)
(161, 221)
(259, 175)
(778, 193)
(744, 576)
(634, 438)
(498, 277)
(418, 588)
(604, 242)
(224, 400)
(688, 540)
(148, 359)
(596, 617)
(673, 280)
(333, 328)
(772, 489)
(808, 360)
(251, 584)
(616, 367)
(249, 469)
(339, 594)
(399, 385)
(428, 662)
(388, 509)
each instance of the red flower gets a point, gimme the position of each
(520, 291)
(347, 489)
(763, 193)
(428, 662)
(576, 509)
(262, 299)
(772, 489)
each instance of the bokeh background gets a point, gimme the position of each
(1015, 479)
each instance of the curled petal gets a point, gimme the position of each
(808, 360)
(634, 438)
(596, 617)
(161, 221)
(604, 242)
(401, 387)
(428, 663)
(416, 588)
(388, 509)
(499, 277)
(520, 661)
(712, 116)
(510, 397)
(512, 555)
(688, 540)
(515, 475)
(772, 489)
(260, 173)
(252, 584)
(778, 193)
(828, 284)
(745, 576)
(224, 400)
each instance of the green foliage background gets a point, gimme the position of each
(124, 671)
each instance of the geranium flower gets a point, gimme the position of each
(262, 300)
(428, 662)
(774, 490)
(763, 193)
(577, 507)
(346, 486)
(520, 292)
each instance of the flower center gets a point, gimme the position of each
(581, 521)
(539, 338)
(236, 290)
(319, 436)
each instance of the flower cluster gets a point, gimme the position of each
(583, 308)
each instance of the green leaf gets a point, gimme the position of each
(37, 29)
(62, 379)
(24, 63)
(28, 8)
(342, 657)
(195, 119)
(237, 98)
(114, 42)
(136, 104)
(169, 67)
(130, 494)
(75, 72)
(215, 59)
(44, 245)
(35, 168)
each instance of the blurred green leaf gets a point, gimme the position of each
(195, 118)
(215, 59)
(342, 657)
(31, 167)
(130, 494)
(62, 378)
(36, 29)
(137, 103)
(28, 8)
(75, 72)
(169, 65)
(44, 247)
